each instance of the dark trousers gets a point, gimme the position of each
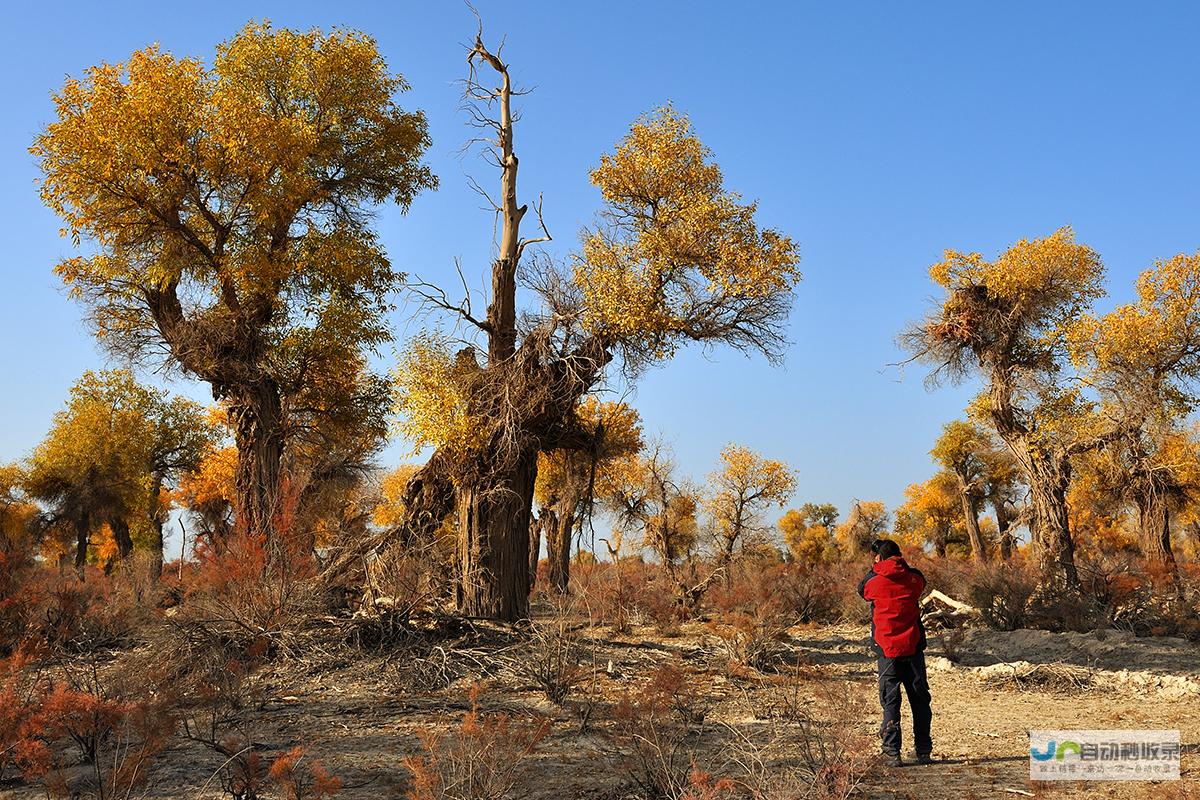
(908, 671)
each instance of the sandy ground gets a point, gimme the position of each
(360, 715)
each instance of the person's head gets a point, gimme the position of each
(884, 548)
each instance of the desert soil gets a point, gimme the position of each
(361, 714)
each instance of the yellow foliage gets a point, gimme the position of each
(16, 512)
(616, 432)
(390, 510)
(808, 544)
(283, 119)
(679, 249)
(745, 485)
(1152, 344)
(868, 520)
(213, 482)
(1031, 274)
(111, 447)
(433, 396)
(931, 513)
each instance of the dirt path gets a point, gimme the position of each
(980, 727)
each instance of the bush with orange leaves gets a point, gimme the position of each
(481, 759)
(303, 780)
(250, 589)
(656, 730)
(114, 733)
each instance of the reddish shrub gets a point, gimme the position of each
(303, 781)
(480, 760)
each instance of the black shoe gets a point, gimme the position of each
(892, 759)
(924, 758)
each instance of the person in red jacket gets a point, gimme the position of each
(894, 590)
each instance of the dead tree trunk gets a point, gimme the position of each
(493, 538)
(494, 511)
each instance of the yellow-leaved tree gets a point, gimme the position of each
(569, 479)
(1143, 358)
(744, 486)
(1006, 321)
(17, 514)
(110, 458)
(932, 514)
(227, 210)
(867, 521)
(964, 450)
(808, 533)
(675, 258)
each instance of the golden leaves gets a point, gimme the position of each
(247, 183)
(1152, 344)
(679, 253)
(744, 485)
(615, 431)
(1033, 272)
(433, 394)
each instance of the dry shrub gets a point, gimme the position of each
(21, 692)
(222, 690)
(786, 695)
(555, 660)
(810, 756)
(1117, 590)
(752, 641)
(404, 588)
(250, 593)
(800, 593)
(951, 640)
(655, 731)
(703, 785)
(1053, 677)
(69, 612)
(19, 596)
(630, 592)
(301, 779)
(1003, 593)
(113, 726)
(481, 759)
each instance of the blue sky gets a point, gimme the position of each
(876, 134)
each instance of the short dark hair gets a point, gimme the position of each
(885, 548)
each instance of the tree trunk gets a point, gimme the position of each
(493, 536)
(157, 522)
(1049, 476)
(1054, 550)
(83, 531)
(559, 535)
(535, 544)
(1003, 523)
(256, 415)
(1154, 528)
(120, 532)
(979, 550)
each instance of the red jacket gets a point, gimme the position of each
(894, 589)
